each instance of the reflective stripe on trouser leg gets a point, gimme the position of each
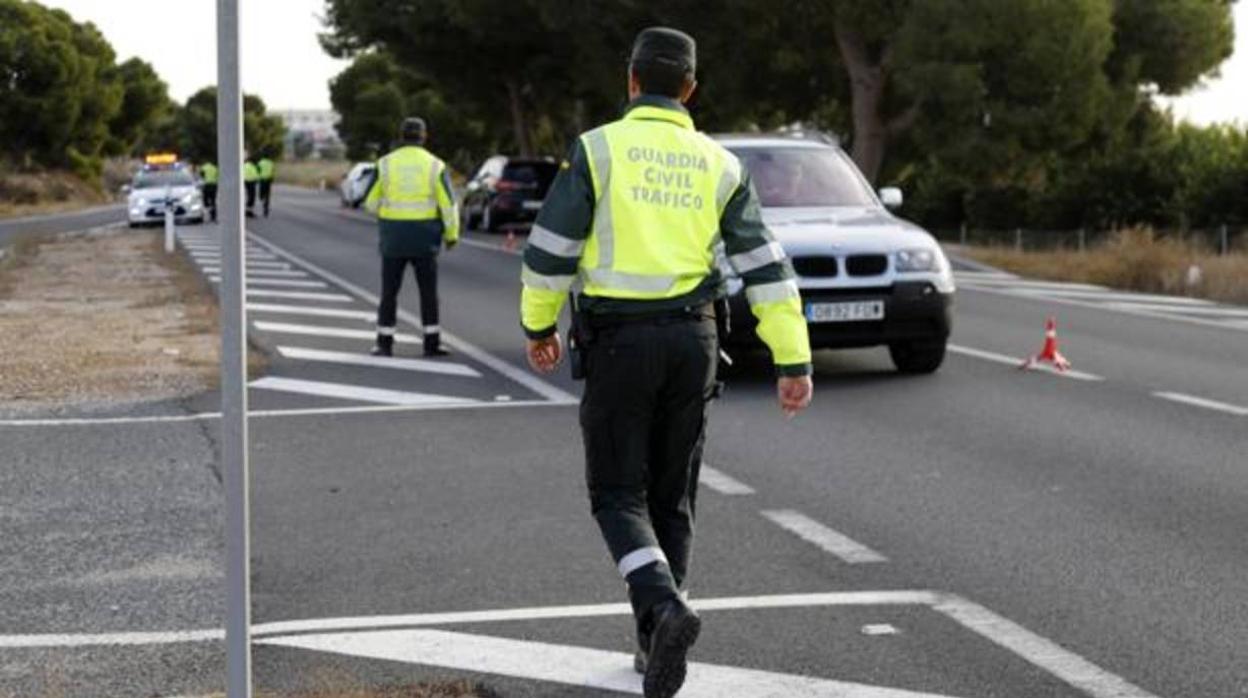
(640, 558)
(385, 331)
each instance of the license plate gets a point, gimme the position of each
(858, 311)
(532, 205)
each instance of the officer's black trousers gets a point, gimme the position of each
(250, 189)
(426, 271)
(266, 194)
(643, 418)
(210, 199)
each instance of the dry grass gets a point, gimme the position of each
(103, 319)
(1134, 260)
(25, 194)
(310, 173)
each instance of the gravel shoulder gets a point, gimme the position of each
(102, 321)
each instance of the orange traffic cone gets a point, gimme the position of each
(1049, 355)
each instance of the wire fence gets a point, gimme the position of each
(1222, 240)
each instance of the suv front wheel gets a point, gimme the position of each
(919, 356)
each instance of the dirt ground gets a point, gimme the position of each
(97, 321)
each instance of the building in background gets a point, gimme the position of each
(311, 133)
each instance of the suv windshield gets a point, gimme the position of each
(792, 177)
(163, 178)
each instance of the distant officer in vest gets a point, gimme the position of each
(266, 169)
(251, 177)
(210, 176)
(636, 213)
(416, 209)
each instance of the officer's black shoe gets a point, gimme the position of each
(435, 352)
(675, 629)
(383, 351)
(639, 659)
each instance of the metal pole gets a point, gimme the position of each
(1018, 239)
(233, 355)
(1225, 241)
(1083, 240)
(963, 234)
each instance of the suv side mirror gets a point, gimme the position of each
(891, 197)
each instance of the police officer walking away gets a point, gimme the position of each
(416, 210)
(266, 169)
(636, 213)
(210, 175)
(251, 176)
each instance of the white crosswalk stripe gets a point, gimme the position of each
(321, 337)
(1182, 308)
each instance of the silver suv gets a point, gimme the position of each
(867, 277)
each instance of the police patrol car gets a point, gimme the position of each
(867, 278)
(164, 182)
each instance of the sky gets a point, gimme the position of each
(284, 64)
(281, 59)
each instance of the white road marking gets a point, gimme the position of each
(109, 639)
(1046, 654)
(515, 373)
(720, 482)
(493, 248)
(1082, 303)
(312, 311)
(344, 391)
(970, 274)
(299, 295)
(734, 603)
(1032, 284)
(573, 666)
(1016, 362)
(349, 359)
(879, 629)
(1131, 298)
(1205, 403)
(824, 538)
(1039, 651)
(320, 331)
(1209, 312)
(251, 273)
(263, 414)
(287, 283)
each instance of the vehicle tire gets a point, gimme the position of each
(918, 357)
(134, 225)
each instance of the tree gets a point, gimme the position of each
(145, 106)
(263, 133)
(59, 88)
(374, 94)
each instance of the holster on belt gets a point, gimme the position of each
(580, 336)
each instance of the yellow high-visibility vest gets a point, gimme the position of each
(407, 185)
(660, 193)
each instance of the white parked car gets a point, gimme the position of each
(867, 278)
(355, 185)
(154, 189)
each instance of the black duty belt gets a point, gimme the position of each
(691, 313)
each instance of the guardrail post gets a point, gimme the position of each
(1083, 240)
(168, 228)
(1225, 241)
(1018, 239)
(962, 235)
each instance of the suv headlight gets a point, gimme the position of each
(915, 260)
(189, 199)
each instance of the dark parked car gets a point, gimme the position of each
(506, 191)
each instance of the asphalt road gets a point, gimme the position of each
(979, 532)
(11, 228)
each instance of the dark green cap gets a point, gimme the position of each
(666, 46)
(412, 129)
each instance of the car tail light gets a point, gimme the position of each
(507, 185)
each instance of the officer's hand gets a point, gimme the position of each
(795, 393)
(546, 354)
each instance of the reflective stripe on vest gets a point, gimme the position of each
(659, 188)
(409, 178)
